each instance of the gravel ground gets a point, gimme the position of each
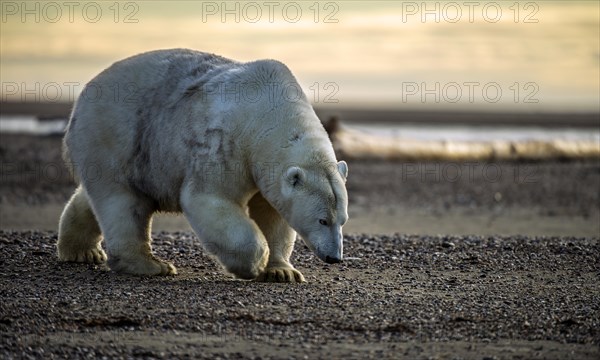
(393, 296)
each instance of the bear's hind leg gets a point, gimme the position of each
(280, 237)
(126, 220)
(79, 235)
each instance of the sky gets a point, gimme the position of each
(533, 56)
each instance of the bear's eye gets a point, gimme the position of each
(323, 222)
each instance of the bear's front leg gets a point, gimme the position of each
(280, 237)
(228, 233)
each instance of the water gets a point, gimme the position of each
(25, 124)
(31, 125)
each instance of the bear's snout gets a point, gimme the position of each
(332, 260)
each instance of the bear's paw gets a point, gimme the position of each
(92, 256)
(281, 275)
(142, 265)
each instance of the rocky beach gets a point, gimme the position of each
(414, 284)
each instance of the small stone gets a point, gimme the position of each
(448, 244)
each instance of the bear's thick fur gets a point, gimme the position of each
(234, 146)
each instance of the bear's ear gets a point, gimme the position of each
(343, 169)
(295, 176)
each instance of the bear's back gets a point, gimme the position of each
(157, 76)
(136, 93)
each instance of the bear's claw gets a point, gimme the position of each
(141, 266)
(281, 275)
(91, 256)
(167, 268)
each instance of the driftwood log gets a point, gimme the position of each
(355, 144)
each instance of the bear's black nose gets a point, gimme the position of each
(332, 260)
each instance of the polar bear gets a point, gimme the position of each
(234, 146)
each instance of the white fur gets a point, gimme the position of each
(245, 170)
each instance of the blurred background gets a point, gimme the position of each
(371, 50)
(456, 117)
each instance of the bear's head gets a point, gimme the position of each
(315, 204)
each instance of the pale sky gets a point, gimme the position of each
(503, 55)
